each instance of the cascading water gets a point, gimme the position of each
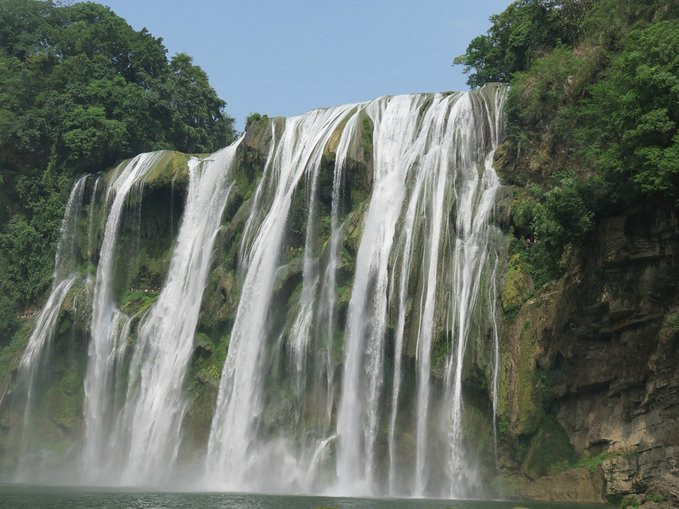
(150, 427)
(430, 165)
(431, 160)
(64, 277)
(473, 230)
(394, 135)
(364, 271)
(327, 313)
(233, 454)
(109, 326)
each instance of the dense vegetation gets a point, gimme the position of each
(80, 90)
(592, 116)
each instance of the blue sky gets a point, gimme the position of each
(284, 57)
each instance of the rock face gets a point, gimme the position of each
(577, 485)
(598, 351)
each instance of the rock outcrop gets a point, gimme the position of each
(598, 352)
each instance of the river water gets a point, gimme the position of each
(23, 496)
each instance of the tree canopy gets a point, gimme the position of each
(520, 34)
(80, 86)
(80, 89)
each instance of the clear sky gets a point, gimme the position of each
(284, 57)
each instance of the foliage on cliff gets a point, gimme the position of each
(79, 90)
(518, 36)
(592, 115)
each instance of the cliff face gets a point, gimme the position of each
(592, 372)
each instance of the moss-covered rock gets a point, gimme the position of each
(549, 450)
(171, 170)
(517, 287)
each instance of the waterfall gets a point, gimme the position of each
(423, 166)
(394, 135)
(150, 429)
(64, 277)
(431, 160)
(476, 199)
(233, 453)
(327, 313)
(110, 326)
(362, 277)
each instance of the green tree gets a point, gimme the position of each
(80, 90)
(195, 112)
(517, 36)
(630, 119)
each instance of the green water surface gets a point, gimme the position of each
(21, 496)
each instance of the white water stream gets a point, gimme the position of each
(109, 325)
